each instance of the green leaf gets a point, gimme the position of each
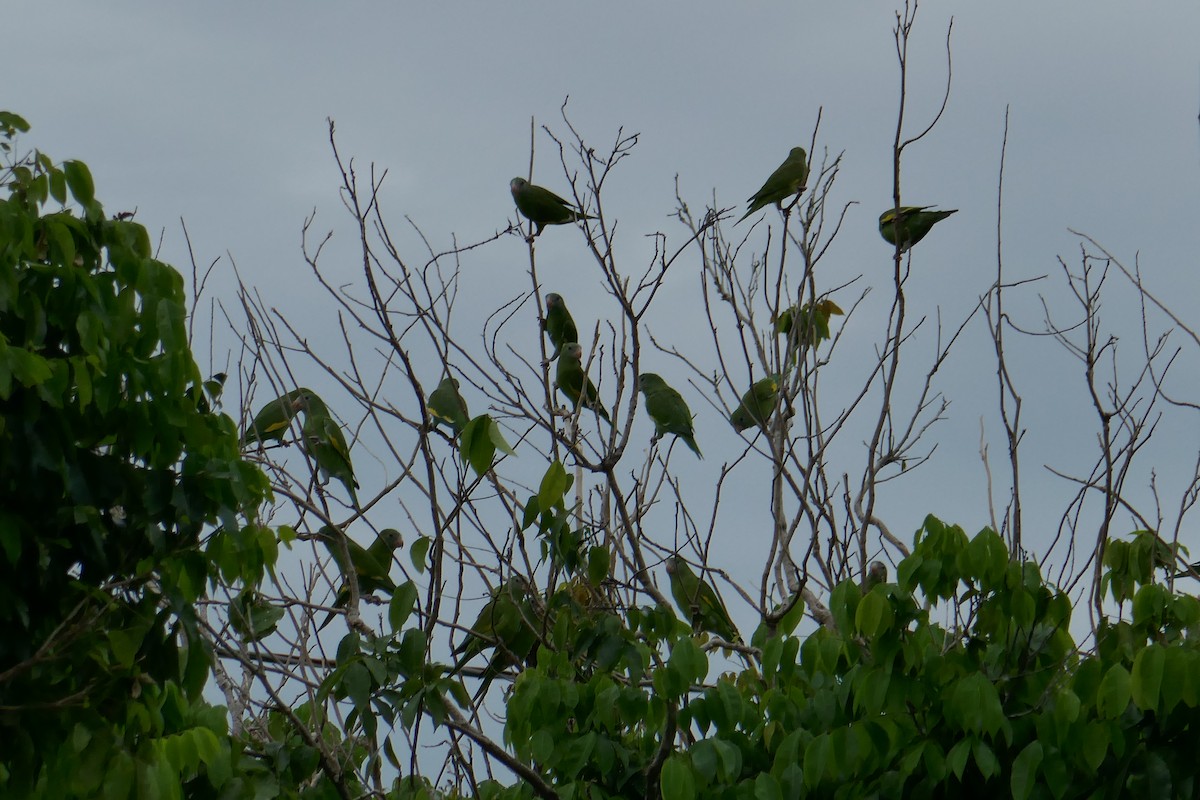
(818, 757)
(79, 179)
(418, 552)
(974, 703)
(29, 369)
(1148, 676)
(11, 124)
(1115, 692)
(58, 186)
(1025, 769)
(555, 484)
(766, 787)
(403, 601)
(598, 563)
(1175, 674)
(874, 615)
(1094, 744)
(689, 662)
(475, 445)
(125, 644)
(987, 557)
(118, 780)
(541, 745)
(729, 760)
(678, 782)
(704, 759)
(956, 759)
(356, 683)
(1087, 678)
(985, 759)
(497, 437)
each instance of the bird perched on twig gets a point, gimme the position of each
(699, 602)
(668, 410)
(542, 207)
(572, 381)
(558, 324)
(506, 623)
(372, 565)
(789, 178)
(910, 225)
(272, 421)
(757, 404)
(323, 439)
(447, 406)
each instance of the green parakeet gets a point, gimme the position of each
(446, 405)
(271, 423)
(324, 441)
(757, 404)
(558, 325)
(542, 207)
(372, 565)
(791, 177)
(910, 225)
(699, 602)
(574, 384)
(668, 410)
(507, 623)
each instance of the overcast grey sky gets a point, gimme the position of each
(215, 113)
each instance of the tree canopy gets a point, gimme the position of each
(443, 553)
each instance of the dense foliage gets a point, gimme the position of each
(122, 496)
(139, 575)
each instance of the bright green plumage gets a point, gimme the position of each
(541, 206)
(559, 325)
(372, 565)
(699, 602)
(668, 410)
(910, 225)
(574, 384)
(757, 404)
(324, 441)
(447, 406)
(791, 177)
(507, 624)
(271, 423)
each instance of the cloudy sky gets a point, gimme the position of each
(215, 113)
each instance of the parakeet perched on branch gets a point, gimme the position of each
(698, 601)
(559, 325)
(791, 177)
(910, 225)
(506, 624)
(668, 410)
(577, 386)
(372, 565)
(757, 404)
(446, 405)
(542, 207)
(271, 423)
(324, 441)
